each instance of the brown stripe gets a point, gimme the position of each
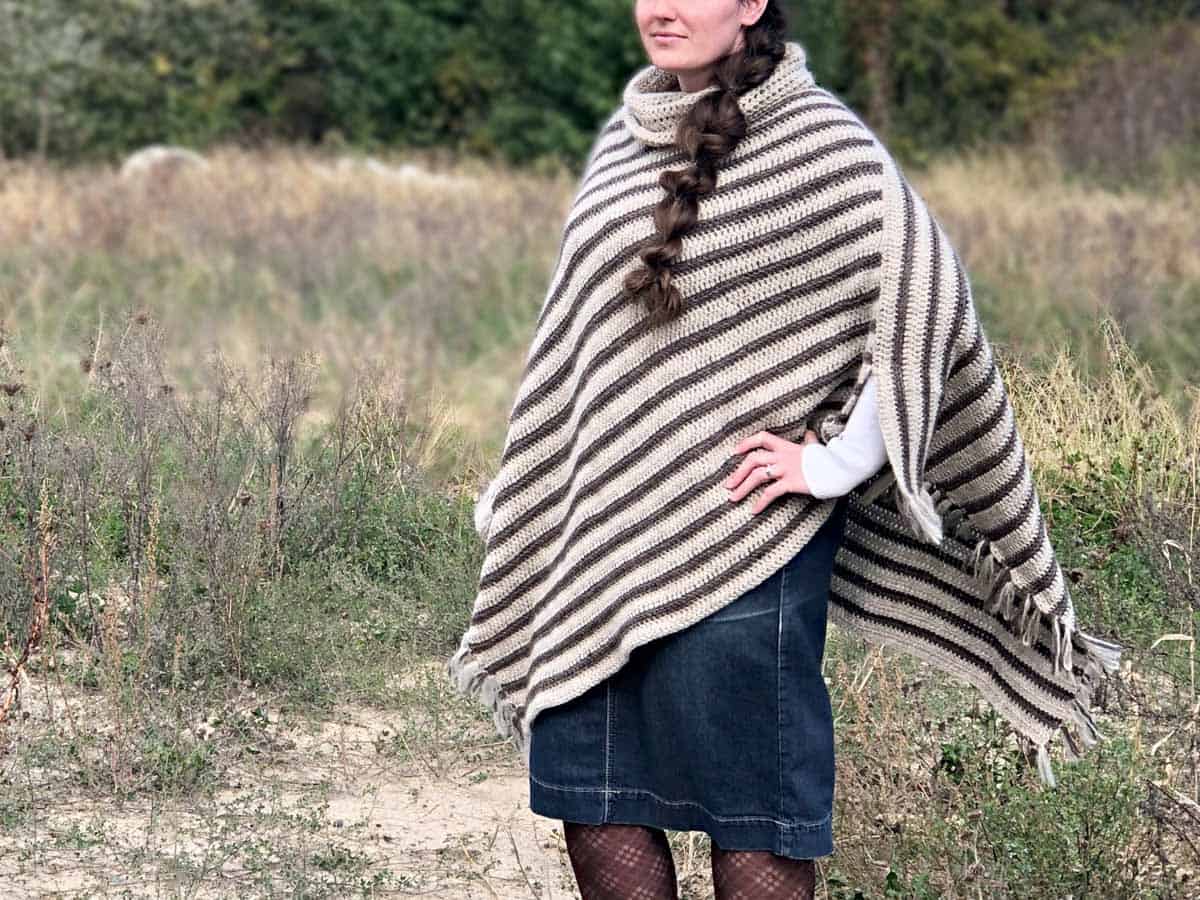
(1011, 524)
(646, 212)
(966, 598)
(807, 509)
(805, 223)
(1064, 601)
(987, 464)
(1043, 581)
(898, 348)
(582, 209)
(962, 301)
(980, 502)
(966, 439)
(970, 355)
(616, 124)
(1030, 550)
(796, 326)
(807, 258)
(967, 398)
(576, 219)
(556, 336)
(662, 157)
(648, 523)
(937, 640)
(935, 289)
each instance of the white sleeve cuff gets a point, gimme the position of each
(851, 457)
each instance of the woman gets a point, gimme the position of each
(749, 294)
(625, 853)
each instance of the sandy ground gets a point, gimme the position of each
(305, 808)
(460, 833)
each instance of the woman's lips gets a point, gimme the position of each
(667, 39)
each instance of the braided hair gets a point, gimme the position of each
(709, 131)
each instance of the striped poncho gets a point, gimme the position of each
(812, 264)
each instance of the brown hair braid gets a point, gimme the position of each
(711, 129)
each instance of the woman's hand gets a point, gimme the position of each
(783, 456)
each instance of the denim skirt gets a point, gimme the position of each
(723, 727)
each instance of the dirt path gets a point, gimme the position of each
(339, 807)
(463, 832)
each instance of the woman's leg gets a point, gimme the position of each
(761, 875)
(621, 862)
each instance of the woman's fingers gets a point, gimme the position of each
(764, 439)
(772, 490)
(750, 463)
(764, 449)
(756, 476)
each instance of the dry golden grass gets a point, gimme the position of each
(285, 249)
(1050, 254)
(279, 250)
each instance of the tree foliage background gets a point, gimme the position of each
(530, 80)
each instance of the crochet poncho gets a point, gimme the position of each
(812, 264)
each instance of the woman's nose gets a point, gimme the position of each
(662, 9)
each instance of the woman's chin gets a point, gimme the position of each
(675, 54)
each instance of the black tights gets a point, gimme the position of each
(633, 862)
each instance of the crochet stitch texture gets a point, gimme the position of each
(813, 264)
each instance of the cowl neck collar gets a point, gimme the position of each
(654, 104)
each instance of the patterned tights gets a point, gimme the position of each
(633, 862)
(753, 874)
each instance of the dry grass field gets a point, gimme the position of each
(244, 410)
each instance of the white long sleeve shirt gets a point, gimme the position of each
(849, 458)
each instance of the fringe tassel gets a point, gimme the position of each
(1003, 601)
(1043, 764)
(483, 508)
(1104, 652)
(1067, 662)
(472, 680)
(920, 513)
(1088, 732)
(1009, 593)
(1031, 621)
(981, 547)
(999, 571)
(1101, 655)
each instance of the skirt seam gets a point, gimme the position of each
(607, 743)
(567, 787)
(791, 826)
(779, 685)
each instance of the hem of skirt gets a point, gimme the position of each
(593, 806)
